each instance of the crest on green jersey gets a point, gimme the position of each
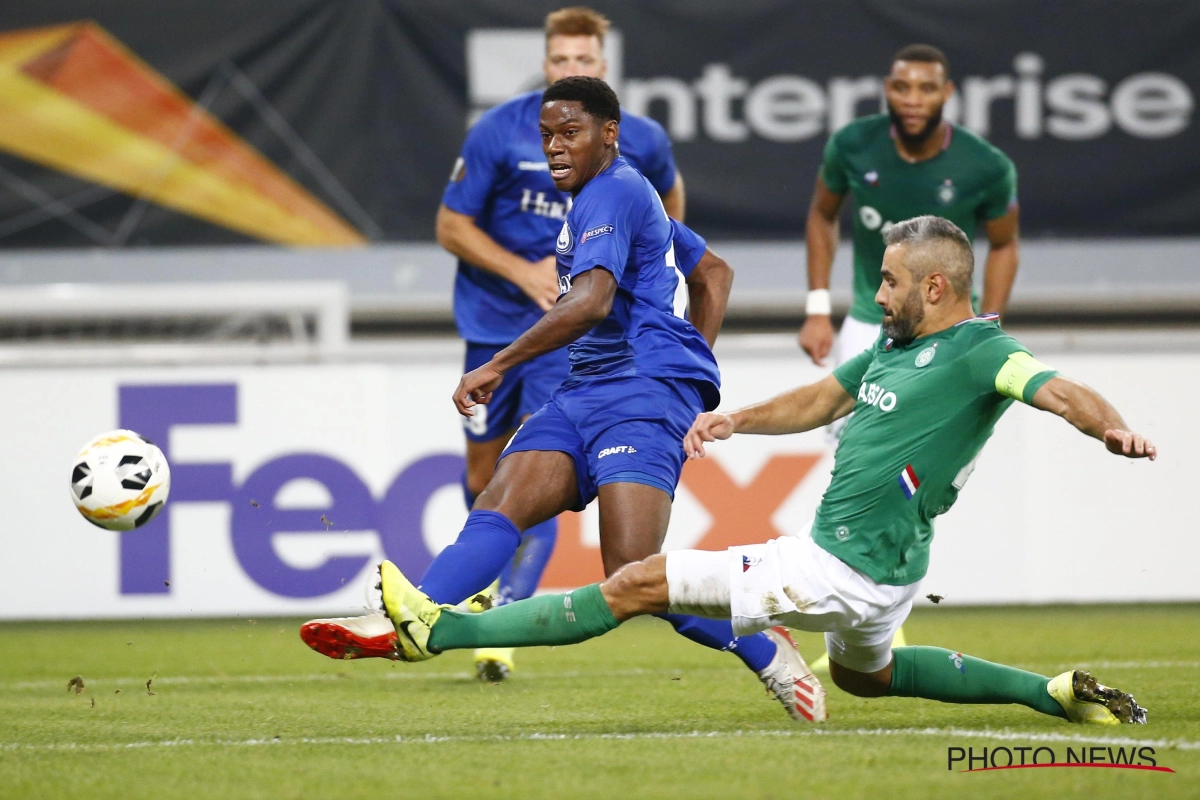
(842, 533)
(926, 355)
(946, 192)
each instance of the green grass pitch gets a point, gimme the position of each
(242, 709)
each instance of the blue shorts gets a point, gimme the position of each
(524, 390)
(616, 430)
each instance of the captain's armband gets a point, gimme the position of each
(1021, 376)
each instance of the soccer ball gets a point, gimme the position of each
(120, 481)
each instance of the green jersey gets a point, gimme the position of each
(923, 413)
(968, 180)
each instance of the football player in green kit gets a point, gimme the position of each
(900, 165)
(925, 400)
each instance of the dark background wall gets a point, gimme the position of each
(1094, 101)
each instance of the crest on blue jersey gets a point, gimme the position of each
(563, 245)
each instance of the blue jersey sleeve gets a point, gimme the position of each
(689, 247)
(477, 169)
(604, 225)
(647, 147)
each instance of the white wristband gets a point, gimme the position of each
(818, 303)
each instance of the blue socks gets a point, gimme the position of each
(755, 651)
(520, 578)
(486, 545)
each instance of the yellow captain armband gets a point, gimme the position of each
(1014, 378)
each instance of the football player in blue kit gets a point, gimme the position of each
(639, 374)
(500, 214)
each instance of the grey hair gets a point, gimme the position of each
(935, 244)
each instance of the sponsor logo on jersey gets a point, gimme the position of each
(536, 203)
(534, 166)
(875, 395)
(612, 451)
(946, 192)
(909, 482)
(599, 230)
(748, 562)
(926, 355)
(563, 245)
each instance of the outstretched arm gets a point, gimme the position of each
(799, 410)
(708, 294)
(577, 312)
(1092, 414)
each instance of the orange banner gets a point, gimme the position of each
(741, 514)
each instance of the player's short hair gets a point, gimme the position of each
(923, 53)
(577, 21)
(935, 244)
(596, 96)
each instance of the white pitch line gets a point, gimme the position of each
(1000, 735)
(412, 675)
(333, 677)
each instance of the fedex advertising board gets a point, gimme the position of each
(290, 482)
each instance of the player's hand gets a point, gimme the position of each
(476, 387)
(540, 282)
(708, 427)
(816, 337)
(1129, 444)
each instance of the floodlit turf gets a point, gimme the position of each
(243, 709)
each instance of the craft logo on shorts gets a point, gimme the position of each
(988, 759)
(563, 245)
(612, 451)
(599, 230)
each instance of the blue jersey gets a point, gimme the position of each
(617, 223)
(503, 182)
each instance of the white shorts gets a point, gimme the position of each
(854, 337)
(794, 582)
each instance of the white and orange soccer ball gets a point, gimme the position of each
(120, 481)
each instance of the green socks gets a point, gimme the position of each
(938, 674)
(547, 620)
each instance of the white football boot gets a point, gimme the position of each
(789, 680)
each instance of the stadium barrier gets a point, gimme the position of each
(35, 313)
(289, 479)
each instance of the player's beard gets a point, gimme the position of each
(902, 327)
(911, 140)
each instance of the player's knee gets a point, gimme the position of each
(637, 588)
(859, 684)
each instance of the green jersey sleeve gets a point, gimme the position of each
(850, 374)
(1002, 364)
(1002, 193)
(833, 168)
